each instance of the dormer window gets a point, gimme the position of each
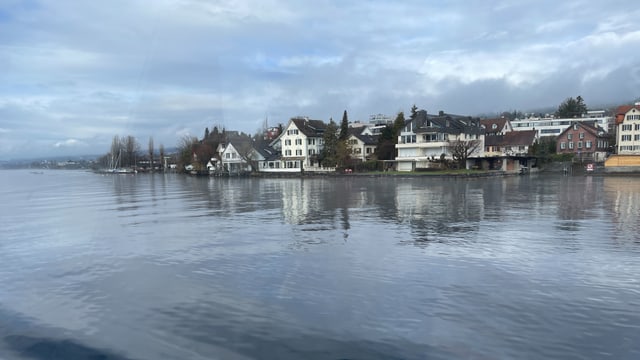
(494, 126)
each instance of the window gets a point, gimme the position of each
(368, 150)
(588, 145)
(575, 126)
(636, 127)
(494, 126)
(581, 135)
(626, 138)
(569, 136)
(311, 141)
(287, 142)
(579, 144)
(298, 152)
(311, 151)
(636, 137)
(298, 141)
(287, 152)
(626, 127)
(292, 132)
(571, 145)
(563, 145)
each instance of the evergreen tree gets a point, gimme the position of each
(398, 125)
(330, 148)
(572, 108)
(414, 112)
(344, 127)
(386, 144)
(206, 133)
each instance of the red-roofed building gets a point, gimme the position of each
(498, 126)
(588, 143)
(628, 129)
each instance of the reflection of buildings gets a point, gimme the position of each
(578, 198)
(622, 200)
(296, 200)
(436, 210)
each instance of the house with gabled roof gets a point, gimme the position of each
(427, 139)
(362, 144)
(236, 154)
(509, 151)
(627, 140)
(496, 126)
(301, 143)
(587, 142)
(628, 129)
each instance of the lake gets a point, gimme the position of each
(177, 267)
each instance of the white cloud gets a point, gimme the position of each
(69, 143)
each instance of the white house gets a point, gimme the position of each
(362, 143)
(301, 143)
(628, 134)
(428, 138)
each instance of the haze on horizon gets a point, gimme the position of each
(74, 74)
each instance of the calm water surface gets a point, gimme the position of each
(173, 267)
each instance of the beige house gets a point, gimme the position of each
(628, 130)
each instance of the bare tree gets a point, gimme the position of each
(185, 150)
(131, 150)
(247, 153)
(151, 153)
(461, 150)
(161, 151)
(115, 152)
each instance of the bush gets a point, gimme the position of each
(562, 157)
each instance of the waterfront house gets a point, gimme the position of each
(628, 140)
(238, 155)
(509, 151)
(428, 139)
(588, 143)
(362, 144)
(301, 143)
(628, 130)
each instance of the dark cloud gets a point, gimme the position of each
(79, 73)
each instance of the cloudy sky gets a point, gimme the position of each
(75, 73)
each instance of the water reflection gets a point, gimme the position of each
(165, 266)
(622, 200)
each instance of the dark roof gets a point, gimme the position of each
(511, 138)
(488, 124)
(267, 152)
(446, 123)
(310, 128)
(596, 131)
(367, 139)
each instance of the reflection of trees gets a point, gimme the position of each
(125, 190)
